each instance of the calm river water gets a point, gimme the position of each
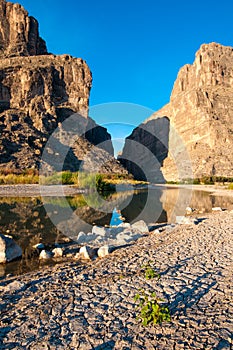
(30, 221)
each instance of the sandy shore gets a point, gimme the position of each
(92, 306)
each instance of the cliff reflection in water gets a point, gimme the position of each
(27, 221)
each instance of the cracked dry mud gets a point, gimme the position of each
(92, 306)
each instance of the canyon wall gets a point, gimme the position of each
(38, 92)
(200, 112)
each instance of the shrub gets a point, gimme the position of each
(151, 310)
(149, 271)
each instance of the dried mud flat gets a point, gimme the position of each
(92, 306)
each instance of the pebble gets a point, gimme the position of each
(45, 255)
(216, 209)
(57, 252)
(86, 253)
(39, 246)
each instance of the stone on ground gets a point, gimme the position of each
(140, 226)
(9, 250)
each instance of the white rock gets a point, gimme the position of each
(156, 231)
(140, 226)
(103, 251)
(217, 209)
(9, 250)
(189, 210)
(85, 238)
(183, 220)
(113, 232)
(100, 231)
(38, 246)
(57, 252)
(86, 253)
(13, 286)
(124, 225)
(8, 236)
(44, 255)
(81, 237)
(127, 236)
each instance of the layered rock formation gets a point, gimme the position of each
(201, 117)
(19, 35)
(38, 92)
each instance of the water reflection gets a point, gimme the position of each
(27, 221)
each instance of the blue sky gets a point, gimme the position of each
(134, 48)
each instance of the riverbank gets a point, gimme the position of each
(93, 307)
(35, 190)
(215, 190)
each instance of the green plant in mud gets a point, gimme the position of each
(149, 271)
(151, 309)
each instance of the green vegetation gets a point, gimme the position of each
(64, 177)
(149, 272)
(80, 179)
(230, 186)
(150, 309)
(15, 179)
(205, 180)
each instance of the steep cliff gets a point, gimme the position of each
(38, 92)
(201, 117)
(145, 150)
(19, 35)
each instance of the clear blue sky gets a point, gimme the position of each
(134, 48)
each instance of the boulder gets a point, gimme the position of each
(184, 220)
(103, 251)
(9, 250)
(140, 226)
(127, 236)
(86, 253)
(100, 231)
(82, 238)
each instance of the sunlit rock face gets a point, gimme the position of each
(19, 34)
(38, 92)
(200, 112)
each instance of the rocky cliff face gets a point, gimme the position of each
(38, 91)
(201, 117)
(19, 35)
(145, 150)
